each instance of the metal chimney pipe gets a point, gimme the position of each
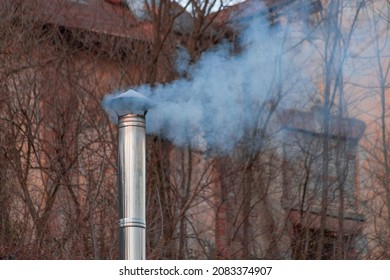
(129, 109)
(131, 177)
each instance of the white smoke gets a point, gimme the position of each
(223, 98)
(138, 7)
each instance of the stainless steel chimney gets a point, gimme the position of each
(131, 176)
(130, 107)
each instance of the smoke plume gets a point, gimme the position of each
(228, 96)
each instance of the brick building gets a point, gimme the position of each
(312, 201)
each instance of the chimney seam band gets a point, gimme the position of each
(132, 125)
(132, 223)
(133, 226)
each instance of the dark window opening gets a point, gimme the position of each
(306, 241)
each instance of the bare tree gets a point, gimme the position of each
(376, 52)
